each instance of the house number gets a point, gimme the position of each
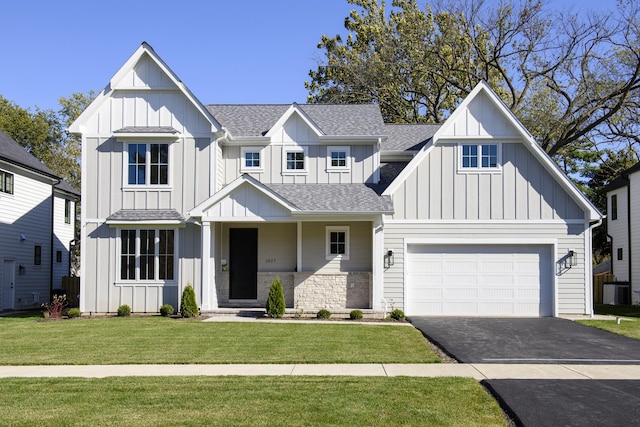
(270, 260)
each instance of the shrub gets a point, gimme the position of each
(397, 314)
(166, 310)
(355, 314)
(188, 306)
(323, 314)
(124, 311)
(275, 302)
(74, 312)
(57, 306)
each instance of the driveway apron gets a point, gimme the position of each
(526, 340)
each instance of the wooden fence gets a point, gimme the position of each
(598, 281)
(71, 286)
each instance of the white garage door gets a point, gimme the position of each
(479, 280)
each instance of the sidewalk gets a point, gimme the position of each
(476, 371)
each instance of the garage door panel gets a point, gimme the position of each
(484, 280)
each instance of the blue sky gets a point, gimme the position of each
(226, 51)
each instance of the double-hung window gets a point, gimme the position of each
(295, 161)
(337, 244)
(479, 157)
(148, 164)
(614, 207)
(6, 182)
(147, 254)
(338, 159)
(67, 211)
(251, 159)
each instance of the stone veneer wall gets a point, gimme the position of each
(308, 291)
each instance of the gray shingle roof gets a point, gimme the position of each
(332, 119)
(146, 129)
(15, 153)
(334, 198)
(146, 215)
(67, 188)
(403, 137)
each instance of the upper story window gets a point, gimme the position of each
(251, 159)
(479, 157)
(148, 164)
(295, 161)
(147, 254)
(6, 182)
(337, 242)
(67, 211)
(338, 159)
(614, 207)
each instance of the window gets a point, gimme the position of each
(67, 211)
(6, 182)
(251, 161)
(294, 160)
(148, 164)
(58, 256)
(480, 156)
(619, 254)
(614, 207)
(147, 254)
(37, 255)
(337, 242)
(338, 159)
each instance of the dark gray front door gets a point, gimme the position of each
(243, 263)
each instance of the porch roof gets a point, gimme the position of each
(146, 216)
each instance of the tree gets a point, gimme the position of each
(572, 79)
(275, 306)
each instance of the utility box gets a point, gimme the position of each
(616, 293)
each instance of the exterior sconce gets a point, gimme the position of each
(570, 259)
(388, 259)
(21, 270)
(23, 237)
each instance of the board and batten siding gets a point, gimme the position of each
(27, 211)
(570, 284)
(618, 230)
(522, 190)
(635, 236)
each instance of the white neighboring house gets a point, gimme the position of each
(34, 232)
(623, 228)
(469, 218)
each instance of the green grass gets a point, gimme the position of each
(627, 328)
(244, 401)
(141, 340)
(618, 310)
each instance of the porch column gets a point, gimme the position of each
(208, 280)
(299, 248)
(377, 291)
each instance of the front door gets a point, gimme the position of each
(243, 263)
(8, 284)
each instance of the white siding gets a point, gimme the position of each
(618, 230)
(635, 236)
(27, 211)
(571, 295)
(246, 202)
(63, 235)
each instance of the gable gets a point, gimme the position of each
(146, 73)
(480, 118)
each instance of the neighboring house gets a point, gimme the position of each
(35, 230)
(467, 218)
(623, 228)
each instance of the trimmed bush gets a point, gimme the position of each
(73, 312)
(397, 314)
(124, 311)
(275, 302)
(166, 310)
(188, 306)
(355, 314)
(323, 314)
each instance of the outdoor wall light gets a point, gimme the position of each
(570, 259)
(388, 259)
(21, 269)
(23, 237)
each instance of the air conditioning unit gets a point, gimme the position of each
(616, 293)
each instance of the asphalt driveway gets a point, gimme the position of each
(526, 340)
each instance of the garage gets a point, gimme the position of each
(479, 280)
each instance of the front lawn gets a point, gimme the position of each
(627, 328)
(618, 310)
(243, 401)
(159, 340)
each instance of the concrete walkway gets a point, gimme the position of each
(470, 370)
